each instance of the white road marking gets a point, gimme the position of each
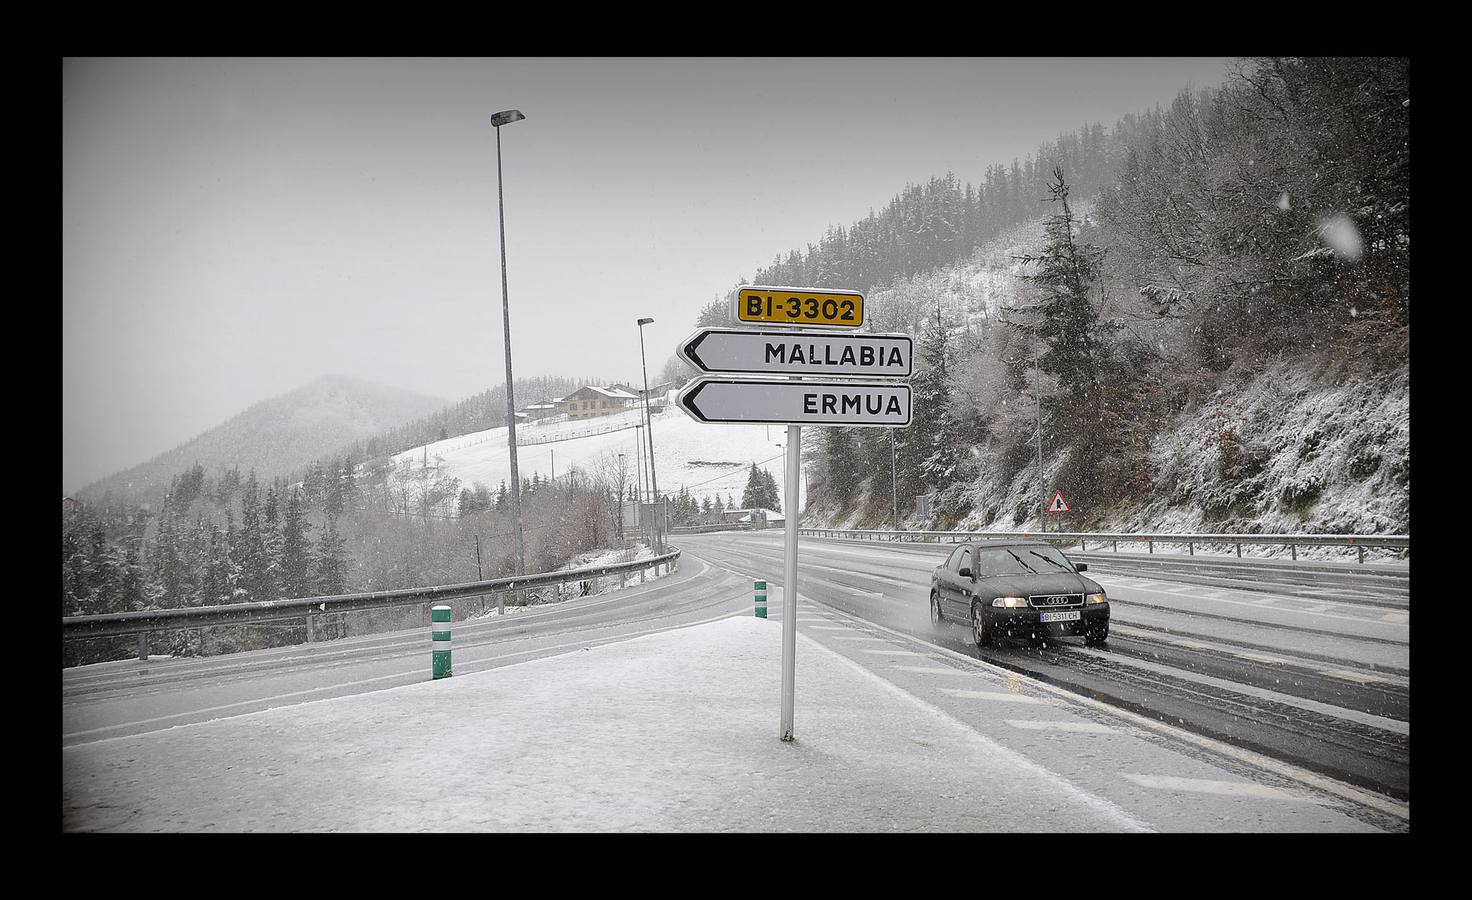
(831, 628)
(934, 670)
(1360, 677)
(1399, 809)
(892, 653)
(1193, 645)
(880, 640)
(1262, 600)
(999, 696)
(1395, 726)
(1396, 618)
(1211, 786)
(1079, 727)
(1261, 657)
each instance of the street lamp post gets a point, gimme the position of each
(649, 429)
(506, 117)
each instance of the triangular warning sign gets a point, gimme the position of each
(1058, 504)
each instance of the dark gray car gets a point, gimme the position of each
(1018, 589)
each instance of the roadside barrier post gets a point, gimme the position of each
(440, 648)
(761, 599)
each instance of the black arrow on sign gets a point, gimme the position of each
(687, 401)
(690, 350)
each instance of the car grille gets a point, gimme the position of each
(1055, 601)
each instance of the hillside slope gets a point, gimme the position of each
(708, 460)
(280, 435)
(1308, 443)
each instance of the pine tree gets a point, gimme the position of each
(841, 478)
(771, 497)
(258, 573)
(755, 491)
(1065, 318)
(937, 450)
(296, 549)
(168, 562)
(134, 596)
(218, 582)
(331, 561)
(348, 479)
(332, 490)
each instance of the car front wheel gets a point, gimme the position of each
(1098, 636)
(937, 618)
(979, 632)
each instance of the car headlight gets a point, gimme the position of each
(1010, 602)
(1096, 598)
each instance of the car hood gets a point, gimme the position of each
(1026, 585)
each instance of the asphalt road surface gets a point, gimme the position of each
(1254, 675)
(1323, 684)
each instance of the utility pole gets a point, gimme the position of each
(894, 495)
(1042, 486)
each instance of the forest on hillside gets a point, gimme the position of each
(1262, 220)
(353, 521)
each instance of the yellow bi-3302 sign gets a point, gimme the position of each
(800, 306)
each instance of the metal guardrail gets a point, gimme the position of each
(1292, 541)
(145, 621)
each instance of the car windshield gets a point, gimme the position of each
(990, 563)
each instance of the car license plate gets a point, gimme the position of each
(1071, 615)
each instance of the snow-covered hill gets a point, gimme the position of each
(706, 459)
(1310, 443)
(280, 435)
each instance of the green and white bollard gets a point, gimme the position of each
(761, 599)
(440, 649)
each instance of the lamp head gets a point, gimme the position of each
(506, 117)
(643, 322)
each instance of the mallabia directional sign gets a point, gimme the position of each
(799, 353)
(859, 403)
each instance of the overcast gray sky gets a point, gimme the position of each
(234, 228)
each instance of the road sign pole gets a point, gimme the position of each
(789, 576)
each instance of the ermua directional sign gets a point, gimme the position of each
(803, 307)
(857, 403)
(799, 353)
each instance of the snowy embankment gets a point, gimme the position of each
(1290, 449)
(708, 460)
(1310, 450)
(670, 732)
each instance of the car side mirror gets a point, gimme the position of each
(1082, 567)
(965, 572)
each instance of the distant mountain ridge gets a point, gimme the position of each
(281, 434)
